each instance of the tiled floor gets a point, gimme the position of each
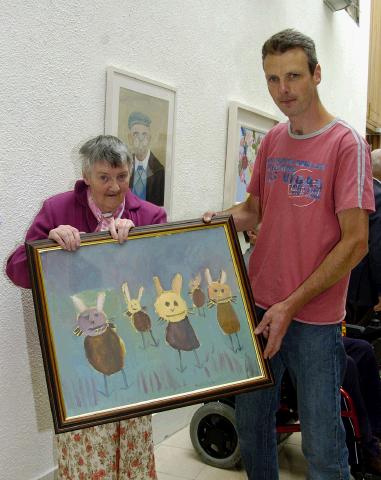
(177, 460)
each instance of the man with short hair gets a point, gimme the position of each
(311, 189)
(147, 178)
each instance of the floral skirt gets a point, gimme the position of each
(114, 451)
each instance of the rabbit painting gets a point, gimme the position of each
(172, 308)
(140, 320)
(220, 294)
(198, 296)
(104, 349)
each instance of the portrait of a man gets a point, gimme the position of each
(141, 112)
(148, 175)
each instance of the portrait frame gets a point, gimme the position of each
(77, 312)
(243, 122)
(128, 92)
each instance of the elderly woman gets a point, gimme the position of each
(101, 201)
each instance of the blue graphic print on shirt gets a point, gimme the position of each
(302, 177)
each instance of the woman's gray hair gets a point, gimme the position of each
(104, 148)
(288, 39)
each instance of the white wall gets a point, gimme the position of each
(53, 57)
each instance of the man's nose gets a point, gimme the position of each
(283, 86)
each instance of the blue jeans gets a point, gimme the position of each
(315, 359)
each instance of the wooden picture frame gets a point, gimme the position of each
(171, 309)
(141, 112)
(246, 128)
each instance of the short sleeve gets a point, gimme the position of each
(353, 180)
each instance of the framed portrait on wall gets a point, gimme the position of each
(246, 128)
(141, 112)
(162, 321)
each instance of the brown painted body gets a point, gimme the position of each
(198, 298)
(141, 321)
(105, 352)
(181, 336)
(227, 318)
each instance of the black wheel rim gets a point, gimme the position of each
(217, 436)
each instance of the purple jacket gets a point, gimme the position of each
(70, 208)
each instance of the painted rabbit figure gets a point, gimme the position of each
(172, 308)
(220, 294)
(140, 320)
(104, 349)
(198, 296)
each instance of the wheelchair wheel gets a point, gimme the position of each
(214, 436)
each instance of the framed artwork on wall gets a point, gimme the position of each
(246, 128)
(141, 112)
(163, 321)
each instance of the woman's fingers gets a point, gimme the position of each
(66, 236)
(120, 228)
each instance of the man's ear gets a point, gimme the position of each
(317, 74)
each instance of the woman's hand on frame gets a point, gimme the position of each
(120, 228)
(66, 236)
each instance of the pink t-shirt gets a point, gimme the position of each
(302, 182)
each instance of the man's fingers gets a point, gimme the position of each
(272, 347)
(272, 336)
(207, 217)
(266, 331)
(262, 326)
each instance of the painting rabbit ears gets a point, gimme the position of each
(222, 278)
(81, 307)
(164, 320)
(177, 283)
(127, 295)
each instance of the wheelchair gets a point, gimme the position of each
(213, 429)
(368, 329)
(214, 436)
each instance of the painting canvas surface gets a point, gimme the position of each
(153, 363)
(247, 127)
(249, 141)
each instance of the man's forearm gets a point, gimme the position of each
(246, 215)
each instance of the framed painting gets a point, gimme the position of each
(246, 128)
(141, 112)
(162, 321)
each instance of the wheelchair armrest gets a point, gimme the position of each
(354, 331)
(371, 332)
